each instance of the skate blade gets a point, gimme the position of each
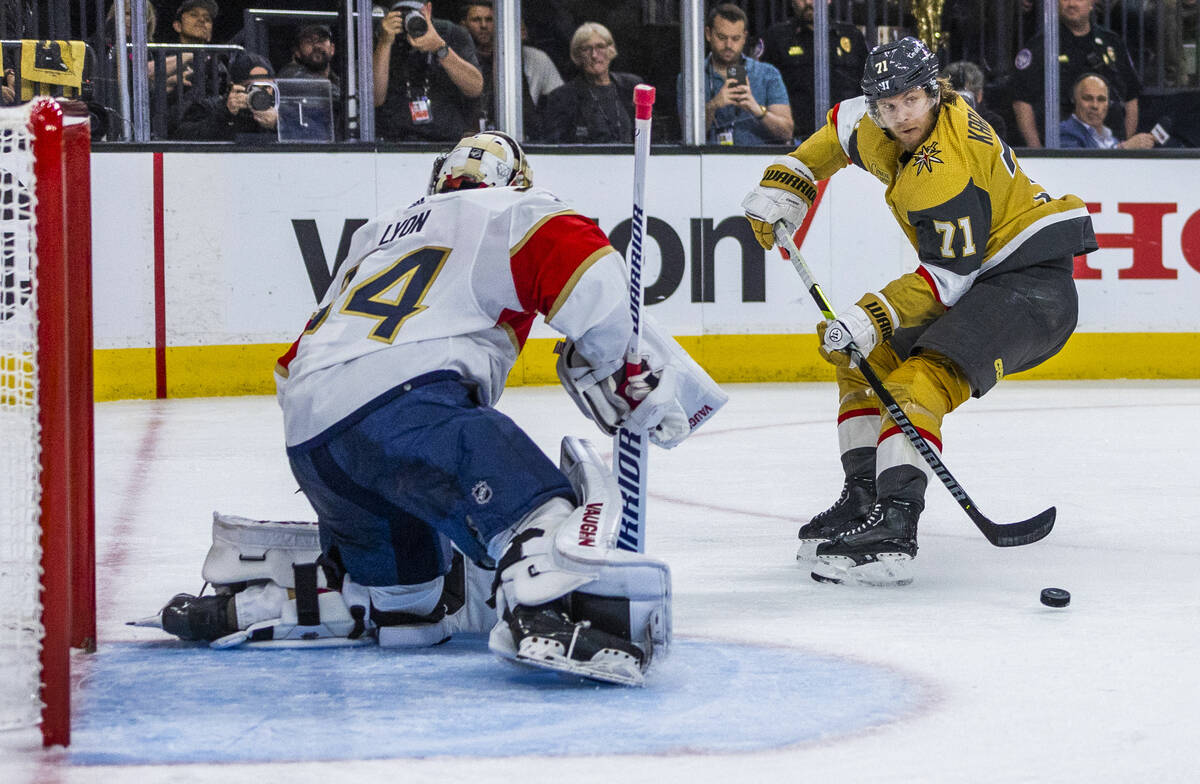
(807, 552)
(149, 622)
(586, 670)
(607, 666)
(889, 569)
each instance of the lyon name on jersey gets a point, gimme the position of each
(452, 282)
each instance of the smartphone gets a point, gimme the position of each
(737, 73)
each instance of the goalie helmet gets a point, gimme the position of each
(898, 67)
(485, 160)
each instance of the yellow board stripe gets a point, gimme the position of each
(201, 371)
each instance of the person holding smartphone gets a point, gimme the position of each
(746, 101)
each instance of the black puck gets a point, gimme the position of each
(1055, 597)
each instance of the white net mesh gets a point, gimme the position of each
(20, 451)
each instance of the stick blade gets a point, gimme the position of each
(1015, 534)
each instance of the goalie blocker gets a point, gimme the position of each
(565, 599)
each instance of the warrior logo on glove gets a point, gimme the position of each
(783, 196)
(777, 176)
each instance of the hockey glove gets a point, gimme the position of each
(784, 195)
(634, 396)
(866, 324)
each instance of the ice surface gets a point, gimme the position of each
(962, 676)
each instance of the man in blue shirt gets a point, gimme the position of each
(743, 113)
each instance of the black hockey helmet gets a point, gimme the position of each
(899, 66)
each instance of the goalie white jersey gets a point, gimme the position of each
(452, 282)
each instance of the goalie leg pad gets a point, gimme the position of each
(559, 577)
(246, 551)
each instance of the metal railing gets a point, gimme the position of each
(1160, 36)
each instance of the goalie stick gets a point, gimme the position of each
(630, 448)
(999, 534)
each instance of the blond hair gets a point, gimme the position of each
(586, 31)
(151, 17)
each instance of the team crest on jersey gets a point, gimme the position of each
(481, 492)
(925, 157)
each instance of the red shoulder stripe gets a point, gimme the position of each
(546, 260)
(924, 273)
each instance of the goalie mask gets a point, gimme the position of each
(485, 160)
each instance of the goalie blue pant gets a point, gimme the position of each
(416, 468)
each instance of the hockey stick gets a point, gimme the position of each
(630, 448)
(999, 534)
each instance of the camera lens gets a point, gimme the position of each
(415, 24)
(260, 99)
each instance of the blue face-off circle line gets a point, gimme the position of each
(173, 703)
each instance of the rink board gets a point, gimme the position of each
(249, 240)
(170, 702)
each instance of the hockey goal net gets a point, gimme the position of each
(47, 576)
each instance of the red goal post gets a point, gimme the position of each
(47, 544)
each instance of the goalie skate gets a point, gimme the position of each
(543, 637)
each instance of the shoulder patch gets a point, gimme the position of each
(846, 117)
(1023, 59)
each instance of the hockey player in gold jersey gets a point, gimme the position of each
(992, 294)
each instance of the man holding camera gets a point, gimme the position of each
(426, 76)
(747, 103)
(245, 113)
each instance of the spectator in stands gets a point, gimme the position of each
(967, 80)
(788, 45)
(312, 58)
(549, 25)
(244, 113)
(1085, 128)
(425, 85)
(1181, 64)
(194, 25)
(1083, 46)
(746, 102)
(539, 77)
(596, 107)
(110, 22)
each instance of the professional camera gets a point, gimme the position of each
(260, 96)
(415, 23)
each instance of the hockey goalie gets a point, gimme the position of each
(436, 513)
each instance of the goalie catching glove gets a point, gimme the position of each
(866, 325)
(784, 195)
(666, 394)
(634, 396)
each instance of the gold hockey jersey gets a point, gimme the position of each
(962, 199)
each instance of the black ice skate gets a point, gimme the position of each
(204, 618)
(546, 637)
(849, 511)
(879, 551)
